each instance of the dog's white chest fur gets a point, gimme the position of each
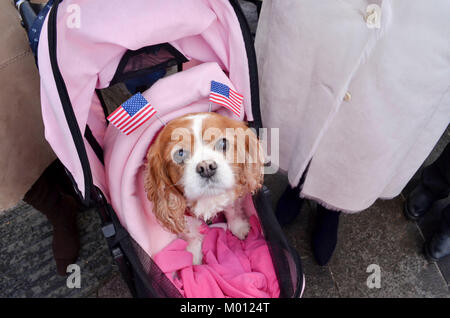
(207, 207)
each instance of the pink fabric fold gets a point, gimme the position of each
(231, 267)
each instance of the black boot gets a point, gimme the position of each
(439, 245)
(418, 202)
(289, 205)
(324, 237)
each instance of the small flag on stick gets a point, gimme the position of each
(223, 95)
(132, 114)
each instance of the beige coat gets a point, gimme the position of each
(24, 153)
(358, 88)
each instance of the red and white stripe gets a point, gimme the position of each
(127, 124)
(233, 103)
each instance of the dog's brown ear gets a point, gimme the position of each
(168, 203)
(251, 176)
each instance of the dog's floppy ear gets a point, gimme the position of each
(168, 203)
(251, 175)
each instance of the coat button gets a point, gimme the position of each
(373, 16)
(347, 97)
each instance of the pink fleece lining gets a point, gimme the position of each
(231, 267)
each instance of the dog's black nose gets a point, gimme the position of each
(206, 168)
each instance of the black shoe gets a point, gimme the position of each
(324, 237)
(289, 205)
(439, 245)
(418, 202)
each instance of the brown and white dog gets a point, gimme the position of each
(199, 165)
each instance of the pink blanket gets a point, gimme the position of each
(231, 267)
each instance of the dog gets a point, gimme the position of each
(198, 166)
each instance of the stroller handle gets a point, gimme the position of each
(27, 12)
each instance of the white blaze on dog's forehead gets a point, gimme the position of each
(197, 125)
(197, 128)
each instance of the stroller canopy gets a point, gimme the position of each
(81, 47)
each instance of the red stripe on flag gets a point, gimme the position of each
(122, 118)
(224, 102)
(218, 96)
(133, 119)
(239, 96)
(112, 115)
(151, 115)
(219, 99)
(141, 117)
(226, 105)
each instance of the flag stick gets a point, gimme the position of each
(159, 118)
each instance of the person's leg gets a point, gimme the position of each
(324, 238)
(439, 245)
(434, 185)
(436, 177)
(53, 195)
(289, 205)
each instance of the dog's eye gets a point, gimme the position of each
(221, 145)
(180, 156)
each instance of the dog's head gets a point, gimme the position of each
(197, 156)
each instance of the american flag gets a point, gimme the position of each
(223, 95)
(132, 114)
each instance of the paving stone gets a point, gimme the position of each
(27, 265)
(319, 281)
(382, 236)
(114, 288)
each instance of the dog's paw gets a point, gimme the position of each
(195, 248)
(239, 228)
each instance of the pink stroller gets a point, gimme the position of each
(168, 50)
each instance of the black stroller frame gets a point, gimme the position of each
(141, 274)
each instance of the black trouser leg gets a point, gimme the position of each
(439, 245)
(53, 195)
(434, 185)
(325, 234)
(290, 204)
(436, 177)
